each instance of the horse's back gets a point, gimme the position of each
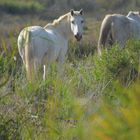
(25, 31)
(26, 37)
(126, 27)
(119, 28)
(113, 28)
(37, 33)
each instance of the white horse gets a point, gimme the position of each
(41, 46)
(119, 28)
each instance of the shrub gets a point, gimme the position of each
(20, 7)
(118, 64)
(50, 109)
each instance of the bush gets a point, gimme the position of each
(20, 7)
(120, 122)
(118, 64)
(51, 109)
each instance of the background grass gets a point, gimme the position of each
(97, 98)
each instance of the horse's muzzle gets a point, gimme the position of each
(78, 37)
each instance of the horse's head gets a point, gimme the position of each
(77, 23)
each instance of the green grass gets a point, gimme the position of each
(20, 7)
(60, 107)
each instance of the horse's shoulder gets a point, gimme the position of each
(32, 29)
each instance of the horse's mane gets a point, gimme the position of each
(58, 21)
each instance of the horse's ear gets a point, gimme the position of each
(81, 11)
(72, 12)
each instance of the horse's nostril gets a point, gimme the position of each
(78, 37)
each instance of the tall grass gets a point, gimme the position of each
(20, 7)
(96, 98)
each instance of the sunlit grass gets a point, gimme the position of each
(51, 109)
(20, 7)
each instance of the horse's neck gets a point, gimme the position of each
(64, 29)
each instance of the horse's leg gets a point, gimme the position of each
(60, 67)
(121, 42)
(36, 69)
(61, 60)
(44, 64)
(44, 72)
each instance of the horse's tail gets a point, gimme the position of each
(28, 54)
(104, 32)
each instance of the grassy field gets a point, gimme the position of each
(96, 99)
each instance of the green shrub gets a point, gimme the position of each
(118, 64)
(120, 122)
(20, 7)
(51, 109)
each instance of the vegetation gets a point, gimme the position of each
(60, 107)
(39, 6)
(97, 98)
(20, 7)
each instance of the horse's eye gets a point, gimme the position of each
(72, 22)
(82, 21)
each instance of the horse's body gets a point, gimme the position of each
(39, 46)
(119, 28)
